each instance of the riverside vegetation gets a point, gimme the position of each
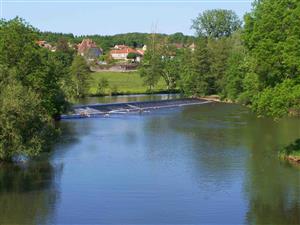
(256, 64)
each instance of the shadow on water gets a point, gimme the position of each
(272, 185)
(227, 142)
(28, 192)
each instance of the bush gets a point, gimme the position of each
(25, 127)
(278, 101)
(292, 150)
(102, 85)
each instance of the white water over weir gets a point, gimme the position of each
(96, 110)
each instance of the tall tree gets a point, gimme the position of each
(33, 66)
(30, 92)
(151, 66)
(272, 38)
(79, 75)
(216, 23)
(235, 69)
(170, 65)
(195, 73)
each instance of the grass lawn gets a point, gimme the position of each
(122, 83)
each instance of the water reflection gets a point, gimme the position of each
(272, 186)
(209, 164)
(231, 145)
(28, 193)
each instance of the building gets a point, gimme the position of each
(89, 49)
(121, 54)
(45, 44)
(119, 47)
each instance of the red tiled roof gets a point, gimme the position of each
(123, 51)
(141, 52)
(86, 44)
(121, 46)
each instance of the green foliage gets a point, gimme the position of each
(195, 72)
(292, 150)
(79, 76)
(132, 55)
(30, 91)
(235, 70)
(272, 36)
(216, 23)
(170, 65)
(33, 66)
(135, 40)
(219, 51)
(102, 85)
(276, 102)
(170, 71)
(151, 66)
(25, 127)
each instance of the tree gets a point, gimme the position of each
(216, 23)
(34, 67)
(272, 37)
(25, 127)
(195, 71)
(62, 45)
(151, 66)
(79, 74)
(279, 101)
(170, 63)
(235, 69)
(30, 91)
(102, 85)
(132, 56)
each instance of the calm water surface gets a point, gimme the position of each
(205, 164)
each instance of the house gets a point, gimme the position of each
(89, 49)
(121, 54)
(45, 44)
(120, 47)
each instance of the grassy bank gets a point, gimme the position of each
(291, 152)
(122, 83)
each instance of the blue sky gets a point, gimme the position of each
(115, 16)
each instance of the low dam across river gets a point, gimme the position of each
(94, 110)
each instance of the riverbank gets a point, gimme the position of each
(291, 152)
(215, 98)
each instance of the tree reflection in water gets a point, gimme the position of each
(273, 186)
(28, 193)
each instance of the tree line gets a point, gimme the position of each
(106, 42)
(255, 62)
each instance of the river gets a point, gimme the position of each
(214, 163)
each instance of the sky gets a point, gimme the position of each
(106, 17)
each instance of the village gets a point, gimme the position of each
(120, 58)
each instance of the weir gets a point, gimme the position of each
(96, 110)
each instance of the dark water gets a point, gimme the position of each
(205, 164)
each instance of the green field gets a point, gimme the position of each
(122, 83)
